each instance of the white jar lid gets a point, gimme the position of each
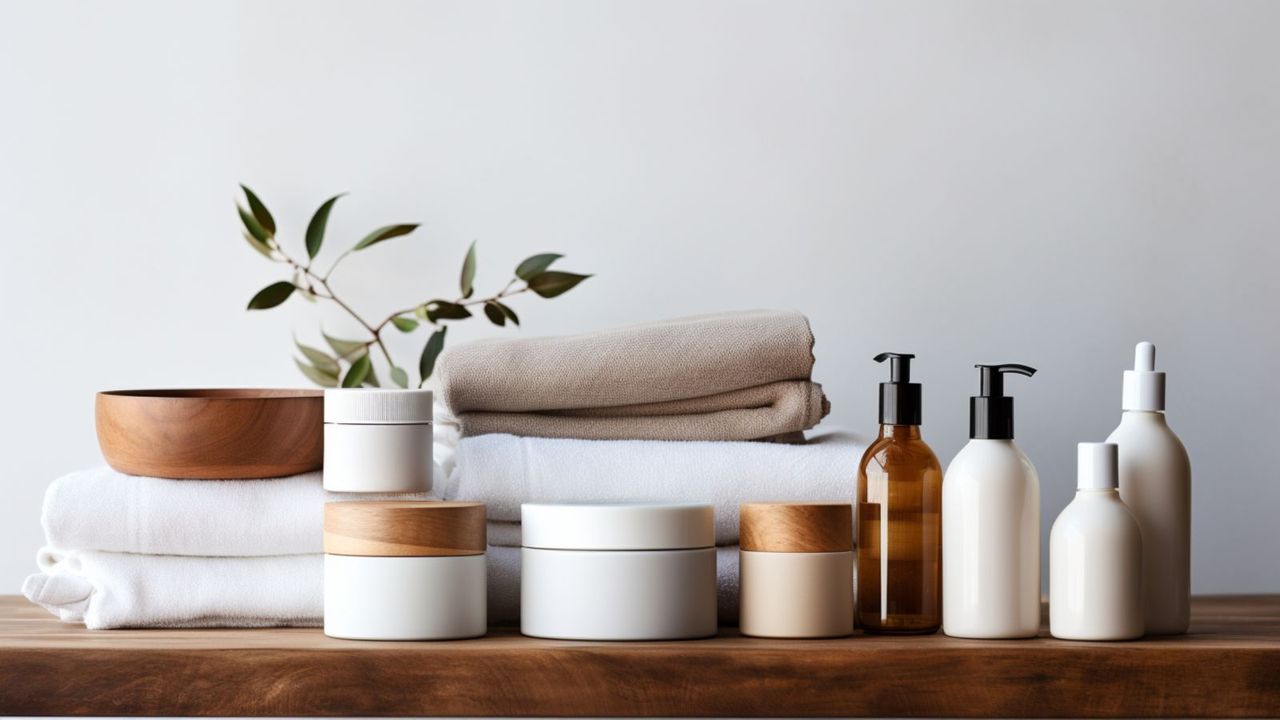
(617, 526)
(359, 406)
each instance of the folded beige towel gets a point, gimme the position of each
(731, 376)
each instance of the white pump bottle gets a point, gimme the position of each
(1155, 482)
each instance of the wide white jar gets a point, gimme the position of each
(618, 572)
(796, 570)
(404, 570)
(377, 440)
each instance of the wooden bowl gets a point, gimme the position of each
(219, 434)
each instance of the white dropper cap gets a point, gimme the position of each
(1097, 466)
(1143, 386)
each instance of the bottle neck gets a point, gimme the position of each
(1133, 417)
(900, 432)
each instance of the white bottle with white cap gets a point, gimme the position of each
(1155, 482)
(1095, 557)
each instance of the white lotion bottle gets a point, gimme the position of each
(991, 524)
(1155, 482)
(1095, 557)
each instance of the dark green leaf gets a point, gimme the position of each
(321, 359)
(511, 314)
(253, 226)
(347, 350)
(315, 228)
(431, 351)
(258, 245)
(552, 283)
(371, 380)
(494, 313)
(384, 233)
(316, 375)
(468, 271)
(404, 324)
(535, 264)
(271, 295)
(358, 371)
(260, 213)
(445, 310)
(400, 377)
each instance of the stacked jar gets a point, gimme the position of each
(395, 569)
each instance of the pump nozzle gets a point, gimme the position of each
(899, 398)
(991, 412)
(899, 365)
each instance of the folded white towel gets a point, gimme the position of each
(119, 590)
(101, 509)
(504, 471)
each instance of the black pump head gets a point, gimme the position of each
(899, 398)
(991, 412)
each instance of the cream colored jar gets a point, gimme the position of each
(796, 570)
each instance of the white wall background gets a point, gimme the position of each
(1036, 182)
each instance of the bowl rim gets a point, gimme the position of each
(219, 394)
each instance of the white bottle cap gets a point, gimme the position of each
(361, 406)
(1143, 386)
(1096, 466)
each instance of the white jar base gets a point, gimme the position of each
(796, 595)
(618, 595)
(404, 598)
(384, 458)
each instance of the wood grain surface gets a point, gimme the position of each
(215, 434)
(400, 528)
(796, 527)
(1228, 666)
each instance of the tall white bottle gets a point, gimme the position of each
(991, 524)
(1155, 482)
(1095, 557)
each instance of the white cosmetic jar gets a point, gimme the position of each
(404, 570)
(796, 570)
(377, 441)
(618, 572)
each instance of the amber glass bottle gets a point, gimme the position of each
(899, 516)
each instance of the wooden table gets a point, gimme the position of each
(1228, 666)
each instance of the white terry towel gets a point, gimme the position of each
(101, 509)
(119, 590)
(504, 471)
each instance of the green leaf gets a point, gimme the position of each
(372, 379)
(358, 371)
(469, 271)
(347, 350)
(445, 310)
(552, 283)
(321, 359)
(494, 313)
(404, 324)
(315, 228)
(271, 295)
(400, 377)
(253, 226)
(431, 351)
(384, 233)
(511, 314)
(316, 375)
(258, 245)
(260, 212)
(535, 264)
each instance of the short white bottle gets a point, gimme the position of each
(1095, 557)
(991, 524)
(1155, 482)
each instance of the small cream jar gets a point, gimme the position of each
(404, 570)
(377, 441)
(796, 570)
(618, 572)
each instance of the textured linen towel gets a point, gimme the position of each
(504, 471)
(731, 376)
(118, 590)
(101, 509)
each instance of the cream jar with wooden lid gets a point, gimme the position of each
(377, 441)
(404, 570)
(618, 572)
(796, 565)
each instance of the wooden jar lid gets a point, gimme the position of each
(796, 527)
(404, 528)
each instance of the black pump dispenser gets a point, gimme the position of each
(991, 412)
(899, 398)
